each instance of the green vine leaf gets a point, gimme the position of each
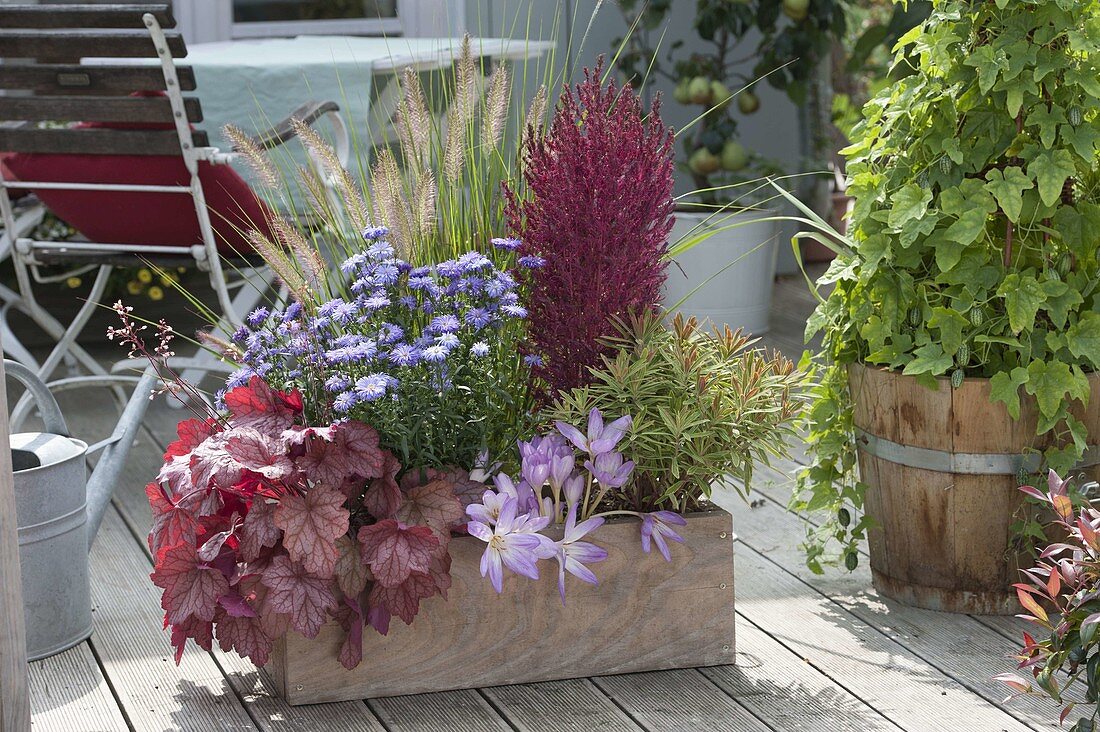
(1023, 295)
(929, 359)
(1083, 338)
(1048, 382)
(1051, 169)
(1005, 388)
(1008, 188)
(911, 202)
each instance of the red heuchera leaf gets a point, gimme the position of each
(311, 523)
(191, 434)
(212, 547)
(211, 463)
(258, 530)
(297, 593)
(256, 593)
(350, 616)
(434, 505)
(244, 635)
(394, 550)
(352, 452)
(190, 589)
(440, 571)
(384, 497)
(403, 600)
(200, 631)
(263, 408)
(176, 474)
(604, 170)
(378, 617)
(172, 524)
(352, 574)
(260, 453)
(235, 605)
(466, 489)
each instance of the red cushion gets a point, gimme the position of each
(131, 217)
(13, 193)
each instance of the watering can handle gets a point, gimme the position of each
(47, 405)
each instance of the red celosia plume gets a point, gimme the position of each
(597, 206)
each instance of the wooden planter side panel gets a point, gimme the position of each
(646, 614)
(943, 538)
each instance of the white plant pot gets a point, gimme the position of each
(737, 266)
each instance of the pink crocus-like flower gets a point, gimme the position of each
(609, 469)
(656, 527)
(519, 551)
(488, 511)
(522, 492)
(572, 554)
(600, 438)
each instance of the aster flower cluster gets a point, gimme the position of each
(403, 346)
(564, 478)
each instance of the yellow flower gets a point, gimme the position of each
(155, 293)
(144, 276)
(133, 287)
(73, 282)
(181, 270)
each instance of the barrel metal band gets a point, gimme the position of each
(964, 463)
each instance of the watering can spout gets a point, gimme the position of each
(116, 448)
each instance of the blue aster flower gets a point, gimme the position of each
(373, 233)
(376, 302)
(404, 354)
(372, 387)
(337, 382)
(531, 261)
(345, 312)
(434, 353)
(292, 311)
(257, 316)
(477, 318)
(443, 324)
(344, 401)
(506, 244)
(448, 341)
(479, 349)
(532, 359)
(239, 377)
(514, 311)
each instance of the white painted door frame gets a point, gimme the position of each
(202, 21)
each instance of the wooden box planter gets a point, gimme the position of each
(646, 614)
(941, 469)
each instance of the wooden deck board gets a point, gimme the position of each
(813, 653)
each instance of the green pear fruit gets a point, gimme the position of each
(704, 162)
(680, 93)
(748, 102)
(720, 94)
(734, 156)
(699, 90)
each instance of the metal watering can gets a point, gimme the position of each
(60, 507)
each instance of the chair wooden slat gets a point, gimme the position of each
(73, 45)
(97, 141)
(95, 109)
(84, 15)
(69, 79)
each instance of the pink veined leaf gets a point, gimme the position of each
(274, 624)
(212, 547)
(403, 600)
(440, 571)
(190, 589)
(258, 530)
(235, 605)
(246, 636)
(394, 551)
(172, 523)
(259, 406)
(297, 593)
(466, 489)
(191, 433)
(350, 616)
(212, 463)
(352, 574)
(378, 617)
(200, 631)
(260, 453)
(176, 474)
(384, 497)
(352, 452)
(297, 435)
(434, 505)
(311, 523)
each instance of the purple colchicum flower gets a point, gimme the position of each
(657, 526)
(600, 438)
(609, 469)
(573, 554)
(506, 547)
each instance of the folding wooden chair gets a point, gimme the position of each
(131, 113)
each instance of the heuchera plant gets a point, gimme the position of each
(596, 211)
(556, 489)
(1061, 595)
(263, 523)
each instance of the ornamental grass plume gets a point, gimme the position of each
(596, 205)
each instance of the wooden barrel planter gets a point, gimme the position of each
(941, 470)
